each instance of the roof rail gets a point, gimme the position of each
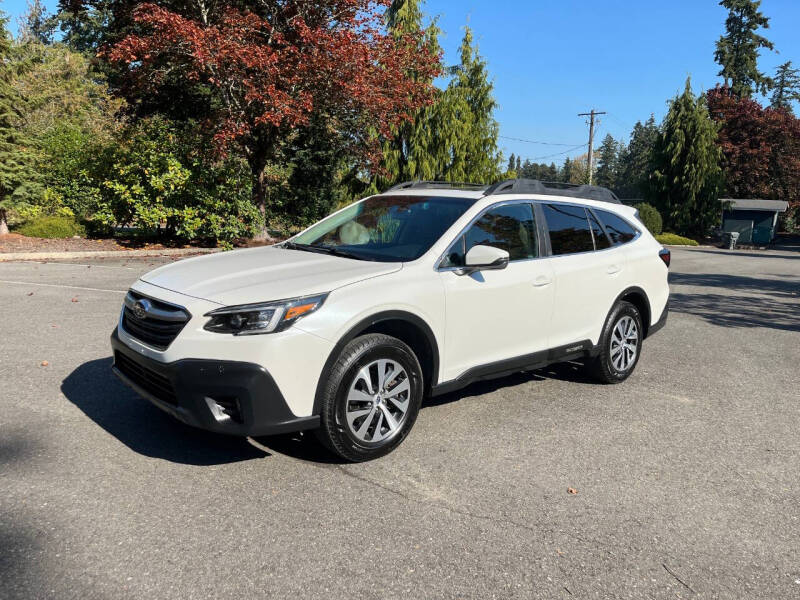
(436, 185)
(551, 188)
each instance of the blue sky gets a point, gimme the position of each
(551, 60)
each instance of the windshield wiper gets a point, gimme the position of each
(323, 250)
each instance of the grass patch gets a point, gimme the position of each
(52, 227)
(673, 239)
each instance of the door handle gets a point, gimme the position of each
(542, 281)
(614, 269)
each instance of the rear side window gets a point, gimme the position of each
(618, 229)
(569, 229)
(510, 227)
(601, 241)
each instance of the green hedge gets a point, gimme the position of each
(52, 227)
(650, 217)
(673, 239)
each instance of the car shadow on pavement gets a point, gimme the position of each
(572, 372)
(750, 253)
(142, 427)
(784, 286)
(761, 302)
(148, 431)
(302, 445)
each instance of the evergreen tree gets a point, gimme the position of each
(634, 160)
(417, 151)
(512, 164)
(19, 178)
(475, 154)
(566, 174)
(36, 25)
(738, 50)
(787, 87)
(686, 176)
(86, 26)
(313, 166)
(519, 164)
(608, 163)
(551, 174)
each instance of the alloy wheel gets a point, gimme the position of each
(378, 401)
(624, 344)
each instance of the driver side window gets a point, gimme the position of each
(510, 227)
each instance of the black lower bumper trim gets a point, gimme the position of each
(186, 389)
(659, 325)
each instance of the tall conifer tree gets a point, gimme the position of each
(475, 154)
(512, 163)
(412, 153)
(787, 87)
(686, 174)
(738, 50)
(608, 163)
(634, 160)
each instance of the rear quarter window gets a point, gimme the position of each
(569, 228)
(618, 229)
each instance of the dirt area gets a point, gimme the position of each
(15, 242)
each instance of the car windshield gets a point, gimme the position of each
(384, 228)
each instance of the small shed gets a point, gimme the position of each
(754, 220)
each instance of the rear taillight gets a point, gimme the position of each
(666, 256)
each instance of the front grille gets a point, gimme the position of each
(161, 322)
(150, 381)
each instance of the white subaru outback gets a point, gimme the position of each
(419, 291)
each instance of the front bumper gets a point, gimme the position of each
(230, 397)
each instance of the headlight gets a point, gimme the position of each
(255, 319)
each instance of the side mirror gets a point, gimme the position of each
(485, 258)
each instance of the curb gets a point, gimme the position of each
(12, 256)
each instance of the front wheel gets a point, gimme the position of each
(371, 399)
(620, 345)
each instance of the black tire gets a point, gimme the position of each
(602, 367)
(335, 431)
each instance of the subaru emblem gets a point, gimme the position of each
(140, 309)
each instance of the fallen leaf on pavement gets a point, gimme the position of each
(572, 491)
(30, 293)
(45, 363)
(75, 299)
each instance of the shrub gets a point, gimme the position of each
(650, 217)
(159, 183)
(790, 220)
(52, 227)
(673, 239)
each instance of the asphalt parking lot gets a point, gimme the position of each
(686, 475)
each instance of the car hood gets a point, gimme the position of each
(263, 274)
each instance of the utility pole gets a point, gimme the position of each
(592, 114)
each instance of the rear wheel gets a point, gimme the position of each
(620, 345)
(371, 399)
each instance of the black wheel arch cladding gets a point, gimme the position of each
(403, 325)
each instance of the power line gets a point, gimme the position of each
(619, 122)
(535, 158)
(505, 137)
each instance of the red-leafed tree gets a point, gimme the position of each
(262, 68)
(761, 147)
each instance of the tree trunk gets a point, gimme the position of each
(3, 222)
(260, 193)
